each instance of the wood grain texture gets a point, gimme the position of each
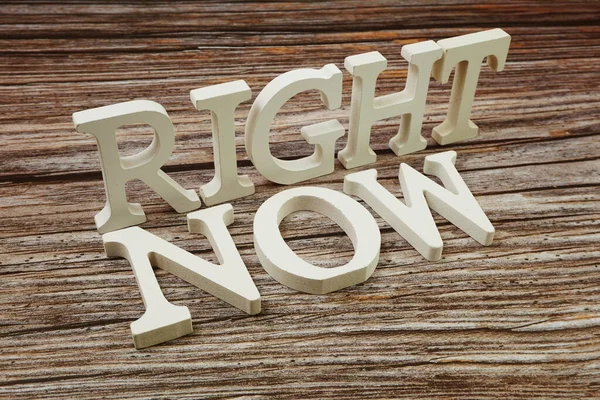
(518, 319)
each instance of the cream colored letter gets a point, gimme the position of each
(327, 80)
(222, 100)
(466, 54)
(229, 281)
(117, 171)
(366, 109)
(414, 221)
(287, 268)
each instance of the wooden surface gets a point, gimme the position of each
(518, 319)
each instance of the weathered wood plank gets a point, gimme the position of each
(106, 19)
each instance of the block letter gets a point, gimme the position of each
(229, 281)
(366, 109)
(466, 54)
(413, 220)
(287, 268)
(328, 81)
(222, 100)
(102, 122)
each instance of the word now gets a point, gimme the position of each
(230, 280)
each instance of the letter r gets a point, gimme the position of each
(103, 122)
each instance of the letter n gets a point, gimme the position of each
(229, 281)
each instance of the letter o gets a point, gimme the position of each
(288, 268)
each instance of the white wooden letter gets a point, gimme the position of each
(414, 221)
(229, 281)
(102, 122)
(222, 100)
(287, 268)
(328, 81)
(366, 109)
(466, 54)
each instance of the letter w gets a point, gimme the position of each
(413, 220)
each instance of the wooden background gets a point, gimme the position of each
(518, 319)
